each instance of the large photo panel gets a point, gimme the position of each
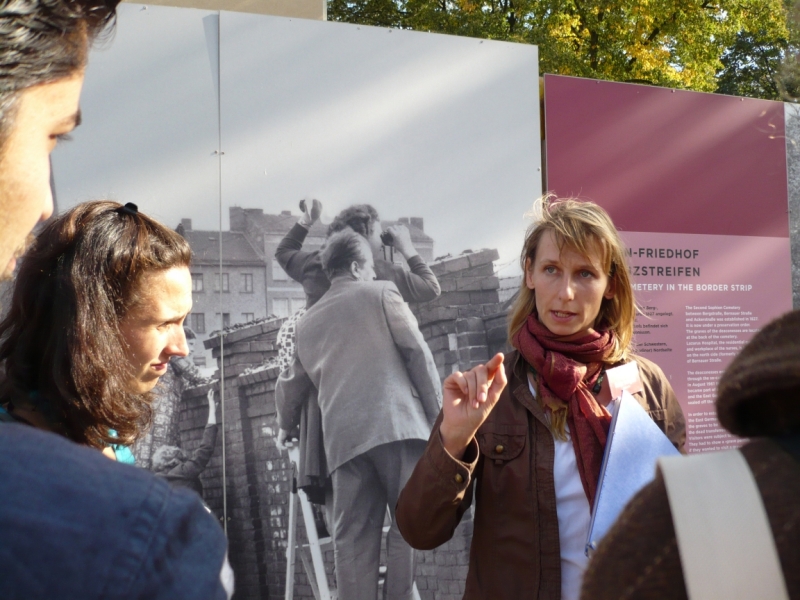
(440, 135)
(218, 124)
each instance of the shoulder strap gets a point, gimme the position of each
(724, 538)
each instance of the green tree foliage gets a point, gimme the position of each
(381, 13)
(788, 76)
(675, 43)
(751, 67)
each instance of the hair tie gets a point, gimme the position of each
(130, 208)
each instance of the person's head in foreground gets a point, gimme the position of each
(96, 314)
(43, 50)
(348, 254)
(759, 392)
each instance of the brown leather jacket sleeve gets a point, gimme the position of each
(661, 403)
(437, 495)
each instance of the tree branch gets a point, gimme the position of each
(593, 38)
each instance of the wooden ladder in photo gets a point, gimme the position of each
(314, 565)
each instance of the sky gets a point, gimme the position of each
(188, 112)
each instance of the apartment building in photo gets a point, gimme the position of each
(222, 298)
(251, 284)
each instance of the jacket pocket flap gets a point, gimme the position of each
(505, 444)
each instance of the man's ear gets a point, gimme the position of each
(355, 270)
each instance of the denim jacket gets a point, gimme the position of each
(74, 524)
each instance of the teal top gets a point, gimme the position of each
(122, 453)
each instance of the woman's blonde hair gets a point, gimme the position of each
(585, 228)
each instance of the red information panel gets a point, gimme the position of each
(696, 183)
(703, 297)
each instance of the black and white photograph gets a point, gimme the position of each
(354, 199)
(342, 300)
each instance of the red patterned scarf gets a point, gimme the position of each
(567, 371)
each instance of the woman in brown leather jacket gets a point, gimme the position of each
(532, 452)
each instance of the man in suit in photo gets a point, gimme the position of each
(379, 393)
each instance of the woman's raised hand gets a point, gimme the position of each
(468, 398)
(212, 408)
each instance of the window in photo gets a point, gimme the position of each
(197, 321)
(225, 282)
(247, 283)
(197, 282)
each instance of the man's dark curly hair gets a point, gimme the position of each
(61, 348)
(42, 41)
(360, 218)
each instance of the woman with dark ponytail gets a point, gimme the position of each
(96, 314)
